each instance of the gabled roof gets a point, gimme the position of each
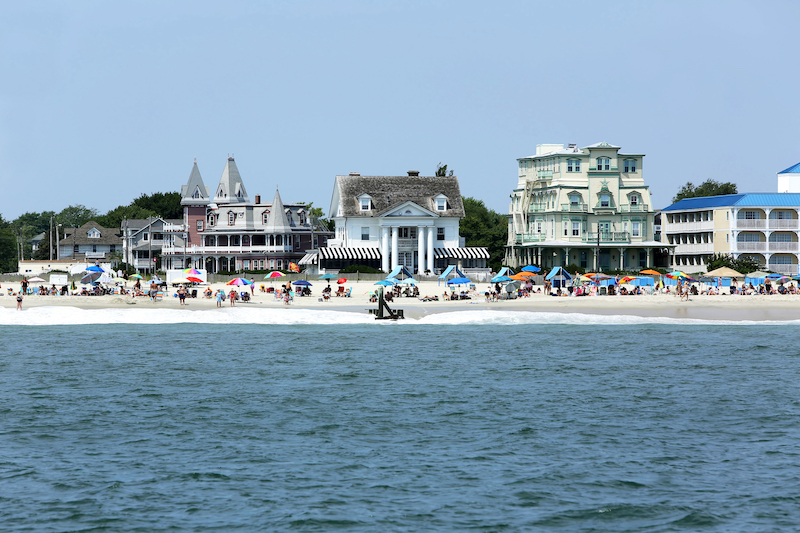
(231, 188)
(603, 145)
(391, 191)
(107, 235)
(277, 221)
(195, 183)
(794, 169)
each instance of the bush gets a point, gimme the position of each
(364, 269)
(574, 268)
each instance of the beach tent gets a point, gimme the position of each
(756, 278)
(399, 270)
(724, 272)
(643, 282)
(558, 276)
(505, 271)
(451, 270)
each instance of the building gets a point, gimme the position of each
(390, 221)
(143, 240)
(224, 230)
(583, 206)
(789, 179)
(91, 242)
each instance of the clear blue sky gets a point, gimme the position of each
(103, 101)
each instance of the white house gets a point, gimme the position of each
(389, 221)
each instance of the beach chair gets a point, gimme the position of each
(340, 292)
(160, 295)
(194, 293)
(347, 294)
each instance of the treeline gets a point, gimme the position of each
(15, 235)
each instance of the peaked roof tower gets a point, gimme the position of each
(277, 222)
(195, 191)
(231, 189)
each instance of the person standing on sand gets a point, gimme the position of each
(24, 285)
(219, 298)
(19, 302)
(232, 296)
(182, 295)
(252, 286)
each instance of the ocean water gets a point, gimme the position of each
(297, 420)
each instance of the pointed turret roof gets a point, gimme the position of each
(794, 169)
(195, 191)
(277, 221)
(231, 189)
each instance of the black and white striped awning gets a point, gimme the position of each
(349, 253)
(308, 259)
(474, 252)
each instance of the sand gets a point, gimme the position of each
(723, 307)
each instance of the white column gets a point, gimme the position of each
(385, 249)
(420, 250)
(394, 247)
(431, 229)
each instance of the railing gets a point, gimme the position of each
(783, 246)
(537, 209)
(757, 223)
(609, 236)
(174, 227)
(525, 238)
(544, 174)
(575, 208)
(95, 255)
(225, 250)
(783, 268)
(783, 223)
(695, 247)
(754, 246)
(610, 206)
(407, 243)
(634, 208)
(610, 169)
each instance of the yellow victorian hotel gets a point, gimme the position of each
(583, 206)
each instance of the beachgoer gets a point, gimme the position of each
(182, 295)
(19, 302)
(24, 285)
(219, 298)
(232, 296)
(252, 286)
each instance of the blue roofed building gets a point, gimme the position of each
(762, 226)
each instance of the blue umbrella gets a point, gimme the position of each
(410, 281)
(327, 276)
(458, 281)
(531, 268)
(301, 283)
(386, 282)
(501, 279)
(94, 268)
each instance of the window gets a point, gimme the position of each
(280, 264)
(634, 199)
(365, 204)
(94, 247)
(603, 163)
(199, 225)
(76, 248)
(364, 234)
(439, 234)
(441, 204)
(264, 217)
(246, 264)
(605, 200)
(538, 227)
(210, 219)
(145, 236)
(576, 229)
(566, 229)
(574, 199)
(636, 229)
(630, 165)
(231, 218)
(573, 165)
(113, 248)
(196, 193)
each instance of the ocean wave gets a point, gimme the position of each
(65, 316)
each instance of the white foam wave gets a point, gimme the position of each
(60, 315)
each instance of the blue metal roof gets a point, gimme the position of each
(794, 169)
(703, 202)
(786, 199)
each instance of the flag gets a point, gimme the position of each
(293, 267)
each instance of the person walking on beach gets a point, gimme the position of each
(252, 286)
(182, 295)
(19, 302)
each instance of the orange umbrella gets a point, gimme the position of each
(518, 277)
(524, 274)
(650, 272)
(627, 279)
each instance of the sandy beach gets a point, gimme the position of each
(723, 307)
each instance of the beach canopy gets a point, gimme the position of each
(238, 281)
(458, 281)
(505, 271)
(301, 283)
(386, 282)
(724, 272)
(531, 268)
(400, 269)
(558, 273)
(500, 279)
(452, 269)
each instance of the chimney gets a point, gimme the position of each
(413, 172)
(258, 199)
(355, 174)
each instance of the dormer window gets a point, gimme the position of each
(93, 234)
(605, 200)
(574, 199)
(231, 218)
(441, 204)
(289, 216)
(210, 219)
(630, 166)
(197, 193)
(365, 202)
(264, 217)
(603, 163)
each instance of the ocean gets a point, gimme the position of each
(302, 420)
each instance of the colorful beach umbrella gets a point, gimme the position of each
(301, 283)
(136, 276)
(526, 274)
(238, 281)
(293, 267)
(180, 281)
(627, 279)
(677, 275)
(192, 271)
(386, 282)
(194, 279)
(274, 274)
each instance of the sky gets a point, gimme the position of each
(101, 102)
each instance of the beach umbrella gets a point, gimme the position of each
(724, 272)
(91, 277)
(36, 280)
(514, 285)
(341, 280)
(136, 276)
(410, 281)
(525, 274)
(531, 268)
(238, 281)
(677, 275)
(194, 279)
(180, 281)
(458, 281)
(650, 272)
(627, 279)
(94, 268)
(501, 279)
(327, 276)
(386, 282)
(274, 274)
(301, 283)
(192, 271)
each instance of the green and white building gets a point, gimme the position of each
(584, 206)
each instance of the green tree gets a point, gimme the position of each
(744, 265)
(441, 171)
(114, 218)
(707, 188)
(8, 247)
(74, 216)
(482, 226)
(163, 204)
(317, 217)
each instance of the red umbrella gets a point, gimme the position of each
(194, 280)
(341, 280)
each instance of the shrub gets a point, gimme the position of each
(364, 269)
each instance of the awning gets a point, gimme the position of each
(474, 252)
(350, 253)
(308, 259)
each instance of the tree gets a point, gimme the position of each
(163, 204)
(707, 188)
(744, 265)
(316, 216)
(441, 171)
(8, 247)
(74, 216)
(482, 226)
(114, 218)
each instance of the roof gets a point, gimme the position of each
(231, 188)
(194, 184)
(277, 221)
(391, 191)
(603, 145)
(107, 235)
(775, 199)
(794, 169)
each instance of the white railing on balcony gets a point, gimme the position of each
(634, 208)
(695, 247)
(225, 250)
(174, 227)
(790, 269)
(407, 243)
(758, 223)
(575, 208)
(783, 246)
(783, 223)
(753, 246)
(688, 227)
(95, 255)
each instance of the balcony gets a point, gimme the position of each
(634, 208)
(610, 236)
(407, 243)
(174, 227)
(595, 169)
(757, 223)
(225, 250)
(528, 238)
(544, 174)
(785, 269)
(783, 246)
(95, 255)
(575, 208)
(754, 246)
(537, 209)
(783, 223)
